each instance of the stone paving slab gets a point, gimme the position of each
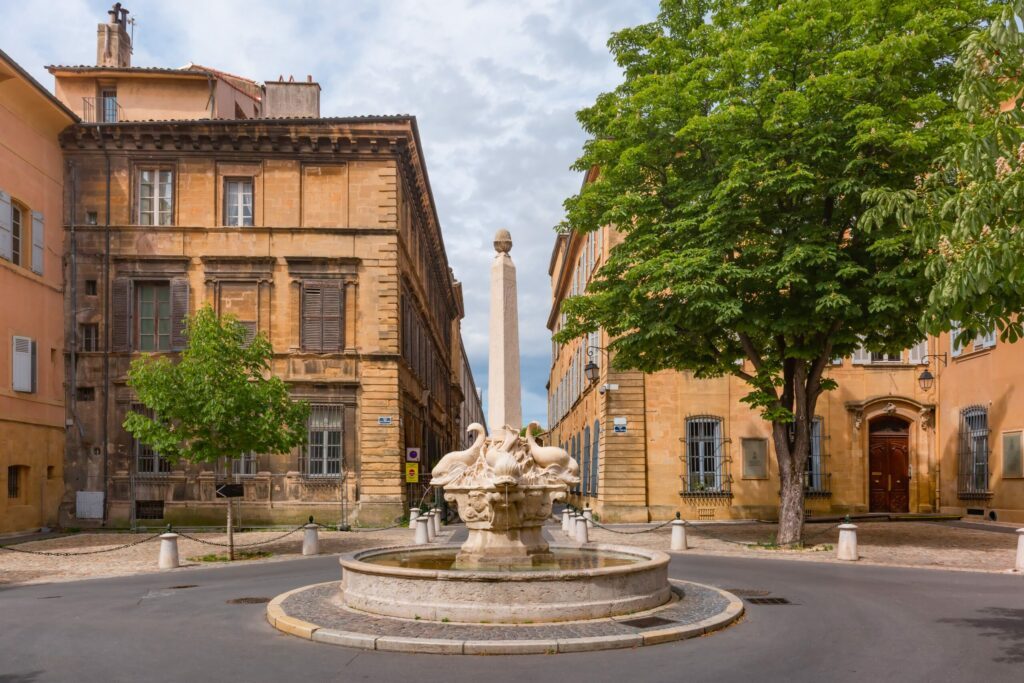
(317, 613)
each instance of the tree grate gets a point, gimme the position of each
(647, 622)
(248, 601)
(747, 592)
(768, 601)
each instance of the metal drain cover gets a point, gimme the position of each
(747, 592)
(647, 622)
(768, 601)
(187, 585)
(248, 601)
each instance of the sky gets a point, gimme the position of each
(494, 85)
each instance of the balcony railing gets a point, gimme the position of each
(103, 109)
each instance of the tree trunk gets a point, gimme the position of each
(231, 532)
(791, 485)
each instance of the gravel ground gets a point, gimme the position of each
(910, 544)
(18, 567)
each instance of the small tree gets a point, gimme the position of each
(217, 401)
(734, 158)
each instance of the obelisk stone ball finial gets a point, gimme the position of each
(502, 241)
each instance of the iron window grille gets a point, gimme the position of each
(148, 461)
(707, 466)
(89, 337)
(321, 457)
(14, 487)
(242, 466)
(595, 465)
(973, 456)
(817, 478)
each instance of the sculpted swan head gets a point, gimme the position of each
(481, 434)
(529, 433)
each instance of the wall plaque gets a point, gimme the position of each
(755, 458)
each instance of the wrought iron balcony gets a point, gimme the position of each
(103, 109)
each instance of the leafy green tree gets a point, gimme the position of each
(968, 207)
(218, 400)
(734, 158)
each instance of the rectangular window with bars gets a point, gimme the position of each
(816, 480)
(15, 485)
(323, 451)
(704, 456)
(245, 465)
(973, 465)
(156, 197)
(147, 461)
(89, 337)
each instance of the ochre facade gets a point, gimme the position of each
(31, 321)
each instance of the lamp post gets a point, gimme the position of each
(591, 369)
(926, 379)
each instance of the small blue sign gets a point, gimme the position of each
(619, 429)
(384, 421)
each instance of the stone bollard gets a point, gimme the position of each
(571, 531)
(168, 551)
(431, 529)
(437, 520)
(847, 548)
(413, 514)
(588, 515)
(422, 533)
(311, 539)
(1020, 551)
(581, 530)
(678, 535)
(565, 520)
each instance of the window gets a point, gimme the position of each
(16, 476)
(153, 313)
(985, 340)
(90, 288)
(1013, 463)
(148, 461)
(917, 352)
(323, 451)
(89, 337)
(108, 105)
(704, 455)
(238, 201)
(85, 394)
(886, 357)
(974, 453)
(91, 218)
(955, 348)
(23, 364)
(585, 473)
(244, 465)
(323, 317)
(155, 196)
(149, 509)
(17, 222)
(595, 465)
(814, 478)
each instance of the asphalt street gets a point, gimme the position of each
(843, 623)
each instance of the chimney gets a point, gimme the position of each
(291, 98)
(113, 45)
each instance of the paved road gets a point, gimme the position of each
(847, 622)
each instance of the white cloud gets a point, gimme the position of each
(494, 86)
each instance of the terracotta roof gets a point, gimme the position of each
(363, 118)
(52, 68)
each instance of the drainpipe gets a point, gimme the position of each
(106, 343)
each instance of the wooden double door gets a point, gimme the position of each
(889, 466)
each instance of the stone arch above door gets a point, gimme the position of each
(903, 407)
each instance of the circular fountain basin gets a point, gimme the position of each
(416, 582)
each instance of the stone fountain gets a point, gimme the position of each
(504, 486)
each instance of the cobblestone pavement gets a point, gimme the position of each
(909, 544)
(321, 605)
(18, 567)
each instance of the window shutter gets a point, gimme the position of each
(121, 314)
(6, 226)
(861, 356)
(179, 312)
(312, 308)
(954, 331)
(37, 243)
(250, 330)
(917, 352)
(333, 316)
(23, 364)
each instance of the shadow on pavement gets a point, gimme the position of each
(1004, 624)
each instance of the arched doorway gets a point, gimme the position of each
(889, 465)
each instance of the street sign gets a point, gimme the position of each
(412, 473)
(412, 455)
(619, 425)
(231, 491)
(384, 421)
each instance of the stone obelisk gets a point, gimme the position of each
(504, 404)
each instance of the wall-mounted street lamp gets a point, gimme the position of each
(926, 379)
(591, 370)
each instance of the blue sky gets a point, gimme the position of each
(494, 85)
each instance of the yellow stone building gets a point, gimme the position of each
(320, 233)
(31, 329)
(651, 445)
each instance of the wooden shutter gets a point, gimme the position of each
(121, 314)
(250, 330)
(333, 316)
(37, 243)
(6, 226)
(23, 364)
(312, 309)
(179, 312)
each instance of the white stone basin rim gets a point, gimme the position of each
(506, 596)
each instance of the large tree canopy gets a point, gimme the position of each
(735, 157)
(968, 207)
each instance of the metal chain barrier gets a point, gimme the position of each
(401, 522)
(630, 533)
(85, 552)
(239, 545)
(698, 528)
